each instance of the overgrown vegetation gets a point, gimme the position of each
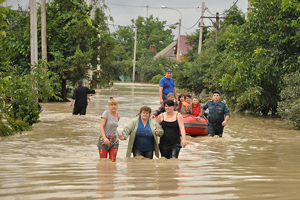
(75, 45)
(19, 97)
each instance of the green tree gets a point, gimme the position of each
(259, 53)
(124, 39)
(15, 46)
(289, 105)
(103, 46)
(19, 95)
(193, 41)
(207, 69)
(151, 31)
(147, 67)
(70, 34)
(3, 24)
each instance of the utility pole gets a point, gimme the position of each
(98, 58)
(217, 25)
(33, 34)
(249, 7)
(201, 30)
(134, 54)
(178, 41)
(44, 30)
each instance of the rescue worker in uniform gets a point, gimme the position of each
(217, 111)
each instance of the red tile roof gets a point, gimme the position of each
(183, 46)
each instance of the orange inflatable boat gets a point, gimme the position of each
(194, 127)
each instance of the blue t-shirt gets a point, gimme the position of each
(167, 84)
(144, 140)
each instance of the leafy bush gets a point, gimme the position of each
(289, 106)
(156, 79)
(19, 95)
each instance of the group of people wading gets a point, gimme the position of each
(147, 136)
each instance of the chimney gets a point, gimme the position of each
(152, 49)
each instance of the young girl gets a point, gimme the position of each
(182, 103)
(109, 139)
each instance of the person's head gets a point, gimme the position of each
(79, 83)
(169, 103)
(145, 112)
(169, 72)
(216, 96)
(195, 100)
(188, 98)
(112, 104)
(181, 98)
(171, 96)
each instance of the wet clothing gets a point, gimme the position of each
(146, 154)
(80, 96)
(216, 114)
(79, 110)
(144, 140)
(110, 130)
(169, 145)
(168, 85)
(131, 129)
(194, 110)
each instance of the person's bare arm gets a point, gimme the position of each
(175, 95)
(161, 94)
(102, 124)
(71, 104)
(182, 130)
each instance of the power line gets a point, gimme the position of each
(197, 20)
(148, 26)
(126, 5)
(149, 34)
(115, 4)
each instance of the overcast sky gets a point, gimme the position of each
(123, 11)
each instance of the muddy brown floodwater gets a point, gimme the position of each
(258, 158)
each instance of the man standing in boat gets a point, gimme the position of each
(167, 85)
(217, 111)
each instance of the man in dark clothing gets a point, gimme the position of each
(80, 97)
(217, 111)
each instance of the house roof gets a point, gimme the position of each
(183, 46)
(171, 49)
(166, 50)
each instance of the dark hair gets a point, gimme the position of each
(217, 91)
(169, 103)
(181, 95)
(146, 109)
(188, 95)
(79, 82)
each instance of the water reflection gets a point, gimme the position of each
(107, 171)
(154, 178)
(258, 158)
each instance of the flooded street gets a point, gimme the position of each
(258, 158)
